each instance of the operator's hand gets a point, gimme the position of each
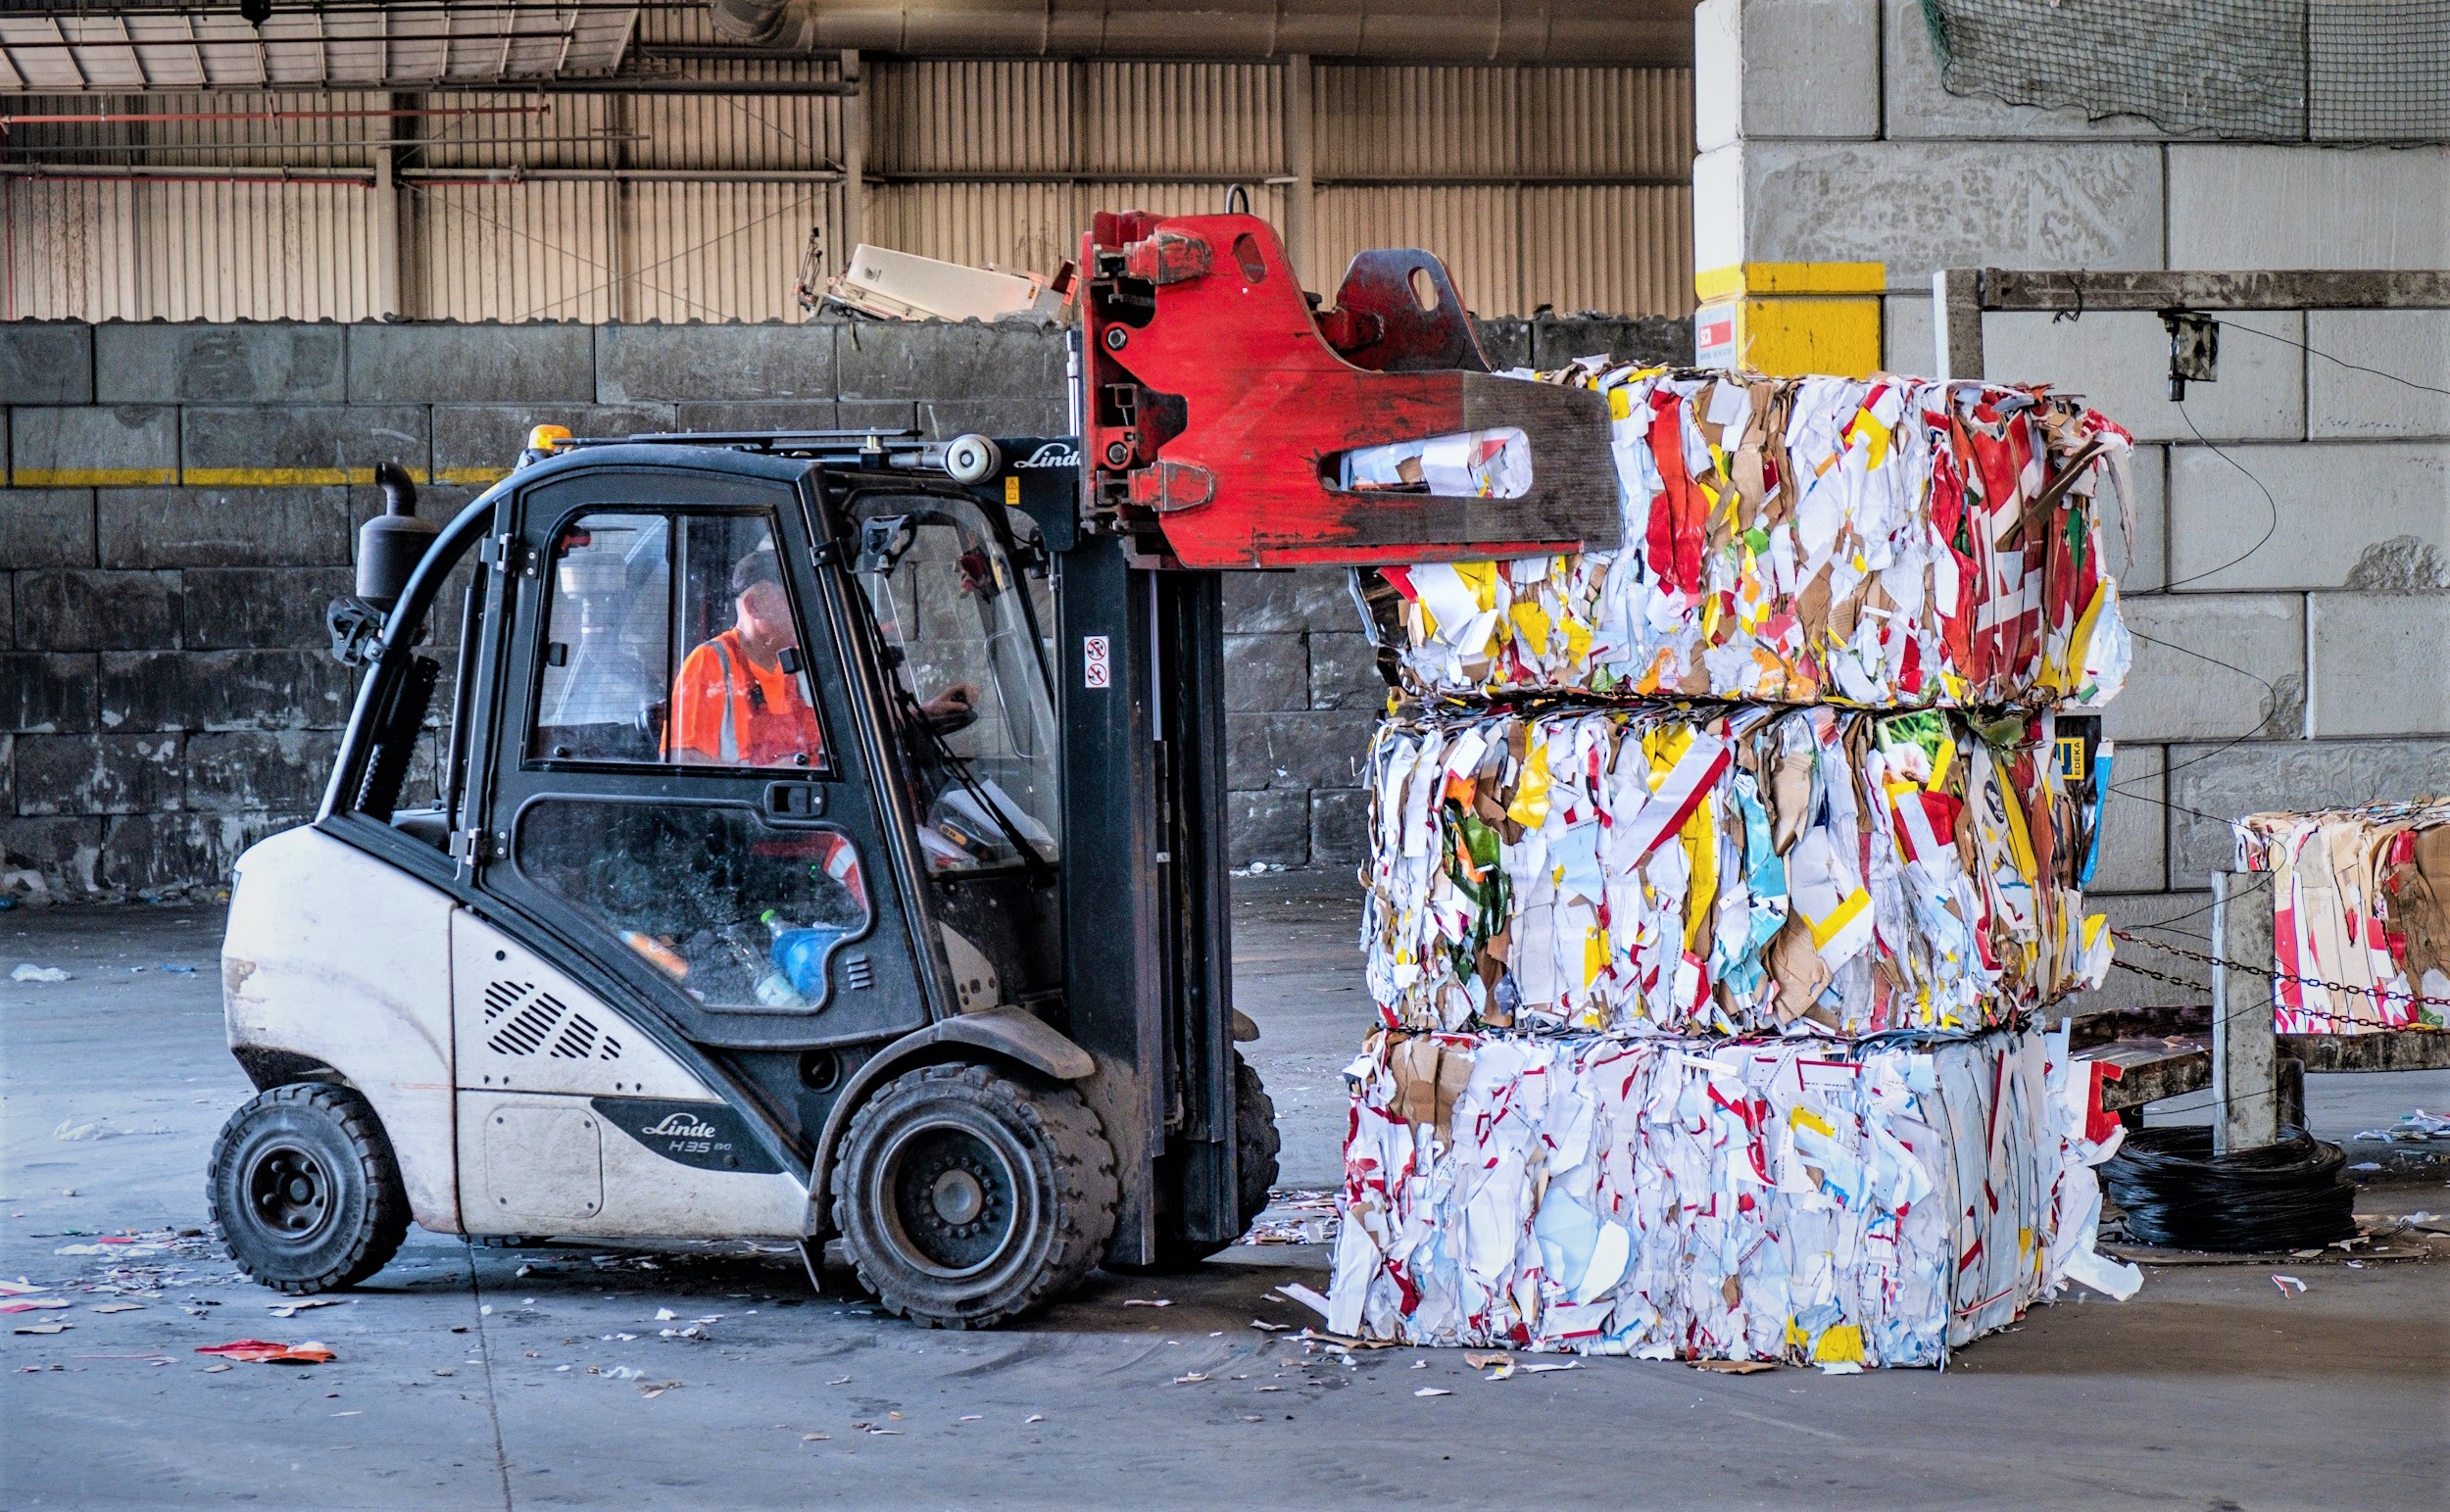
(954, 709)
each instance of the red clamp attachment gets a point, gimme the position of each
(1169, 257)
(1170, 486)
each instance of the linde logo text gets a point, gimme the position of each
(1050, 454)
(681, 1126)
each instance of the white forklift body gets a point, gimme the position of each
(515, 1102)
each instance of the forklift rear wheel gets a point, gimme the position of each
(1256, 1144)
(967, 1197)
(306, 1189)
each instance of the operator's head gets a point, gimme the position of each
(765, 608)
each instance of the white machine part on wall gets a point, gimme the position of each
(906, 286)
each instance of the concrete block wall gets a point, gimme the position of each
(2292, 543)
(181, 500)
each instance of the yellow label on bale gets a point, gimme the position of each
(1839, 1344)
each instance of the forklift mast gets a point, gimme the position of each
(1216, 408)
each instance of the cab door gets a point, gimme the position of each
(675, 787)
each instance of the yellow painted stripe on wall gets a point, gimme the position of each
(481, 477)
(92, 477)
(1742, 279)
(1791, 337)
(287, 477)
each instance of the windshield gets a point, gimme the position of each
(954, 619)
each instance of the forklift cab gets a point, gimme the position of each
(825, 833)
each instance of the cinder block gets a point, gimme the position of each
(2120, 362)
(46, 363)
(162, 854)
(296, 446)
(213, 527)
(2378, 663)
(1271, 825)
(1266, 672)
(2209, 786)
(1918, 205)
(46, 528)
(765, 415)
(68, 852)
(2135, 829)
(637, 364)
(1905, 336)
(2348, 401)
(2141, 564)
(1339, 826)
(1504, 341)
(68, 774)
(940, 419)
(2373, 516)
(1785, 69)
(85, 448)
(411, 363)
(230, 609)
(1646, 339)
(1320, 749)
(2308, 207)
(84, 608)
(258, 771)
(1308, 599)
(274, 363)
(475, 445)
(223, 690)
(1919, 104)
(892, 358)
(2183, 919)
(8, 773)
(1344, 671)
(2213, 666)
(8, 622)
(50, 692)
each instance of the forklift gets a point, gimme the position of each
(821, 835)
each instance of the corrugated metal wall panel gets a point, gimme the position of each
(720, 251)
(970, 118)
(256, 251)
(575, 131)
(534, 251)
(1607, 123)
(1472, 229)
(1615, 249)
(1185, 117)
(66, 249)
(312, 143)
(1018, 227)
(1414, 122)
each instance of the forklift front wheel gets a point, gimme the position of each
(966, 1196)
(306, 1189)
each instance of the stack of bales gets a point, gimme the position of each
(1717, 884)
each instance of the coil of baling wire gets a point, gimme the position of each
(2178, 1194)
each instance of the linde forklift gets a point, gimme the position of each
(826, 834)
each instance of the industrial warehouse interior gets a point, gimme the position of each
(1149, 753)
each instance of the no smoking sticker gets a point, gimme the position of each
(1095, 665)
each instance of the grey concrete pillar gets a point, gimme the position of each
(1300, 196)
(853, 159)
(2246, 1075)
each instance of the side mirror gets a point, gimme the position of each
(394, 541)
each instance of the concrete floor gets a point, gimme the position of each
(486, 1377)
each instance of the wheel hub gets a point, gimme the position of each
(288, 1192)
(950, 1194)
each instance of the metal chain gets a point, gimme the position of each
(2277, 976)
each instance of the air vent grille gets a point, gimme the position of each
(857, 972)
(529, 1022)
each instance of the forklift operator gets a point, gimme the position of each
(733, 704)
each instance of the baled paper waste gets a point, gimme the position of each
(1721, 870)
(1812, 1201)
(2360, 898)
(1887, 542)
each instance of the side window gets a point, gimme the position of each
(741, 914)
(671, 639)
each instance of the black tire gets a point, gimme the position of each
(1256, 1144)
(306, 1189)
(966, 1196)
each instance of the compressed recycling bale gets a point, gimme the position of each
(1806, 1201)
(2360, 898)
(1683, 869)
(1885, 541)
